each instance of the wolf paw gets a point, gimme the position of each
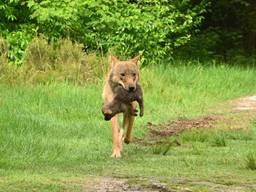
(127, 140)
(116, 153)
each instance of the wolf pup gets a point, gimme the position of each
(126, 75)
(123, 99)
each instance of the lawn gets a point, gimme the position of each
(53, 136)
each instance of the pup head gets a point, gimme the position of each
(125, 73)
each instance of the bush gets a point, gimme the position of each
(155, 27)
(18, 41)
(7, 72)
(62, 60)
(59, 61)
(72, 62)
(39, 55)
(3, 51)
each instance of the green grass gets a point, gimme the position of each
(53, 137)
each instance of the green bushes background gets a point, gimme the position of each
(162, 30)
(128, 27)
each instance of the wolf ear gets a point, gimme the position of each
(136, 59)
(112, 60)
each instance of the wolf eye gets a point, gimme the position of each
(122, 74)
(134, 74)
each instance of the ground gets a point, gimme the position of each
(195, 135)
(238, 114)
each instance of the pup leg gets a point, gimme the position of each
(133, 111)
(116, 139)
(130, 118)
(141, 105)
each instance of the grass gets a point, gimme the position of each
(251, 161)
(53, 137)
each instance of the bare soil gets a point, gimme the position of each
(177, 126)
(238, 114)
(244, 104)
(111, 184)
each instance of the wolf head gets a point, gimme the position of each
(124, 73)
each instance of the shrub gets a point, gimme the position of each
(3, 51)
(72, 62)
(99, 65)
(39, 55)
(7, 72)
(18, 41)
(62, 60)
(130, 26)
(155, 27)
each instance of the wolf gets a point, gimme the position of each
(123, 99)
(123, 74)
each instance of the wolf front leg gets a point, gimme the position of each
(116, 153)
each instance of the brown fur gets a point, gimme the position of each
(126, 75)
(123, 99)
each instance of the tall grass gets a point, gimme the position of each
(251, 161)
(61, 124)
(56, 130)
(3, 51)
(184, 90)
(47, 62)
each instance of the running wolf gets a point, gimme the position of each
(126, 75)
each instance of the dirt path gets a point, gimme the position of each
(110, 184)
(237, 115)
(244, 104)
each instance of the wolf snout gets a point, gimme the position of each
(131, 88)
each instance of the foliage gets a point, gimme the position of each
(160, 29)
(18, 41)
(155, 27)
(17, 27)
(59, 61)
(229, 29)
